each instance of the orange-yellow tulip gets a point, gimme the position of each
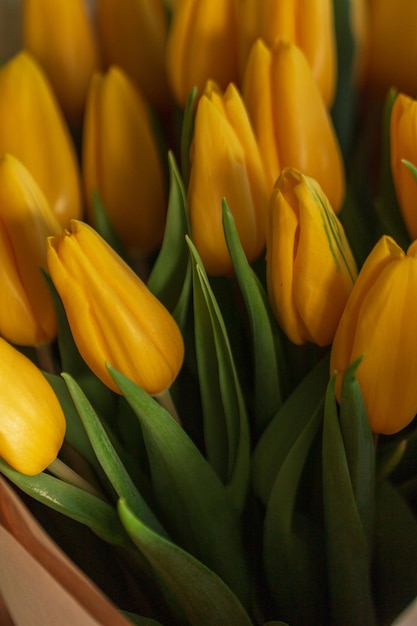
(121, 161)
(32, 424)
(380, 323)
(113, 316)
(60, 36)
(133, 35)
(27, 314)
(307, 23)
(33, 129)
(310, 267)
(225, 162)
(392, 46)
(404, 147)
(202, 45)
(289, 117)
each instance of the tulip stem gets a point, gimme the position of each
(61, 470)
(166, 401)
(45, 358)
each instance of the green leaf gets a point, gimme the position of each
(195, 594)
(139, 620)
(347, 547)
(267, 379)
(359, 448)
(293, 550)
(109, 459)
(226, 427)
(286, 426)
(71, 501)
(395, 563)
(170, 279)
(195, 504)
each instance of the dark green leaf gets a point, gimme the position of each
(196, 596)
(347, 546)
(187, 134)
(104, 227)
(225, 418)
(265, 342)
(196, 506)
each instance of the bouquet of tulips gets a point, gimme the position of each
(208, 304)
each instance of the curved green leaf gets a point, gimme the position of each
(195, 594)
(195, 504)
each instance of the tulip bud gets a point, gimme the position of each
(32, 424)
(380, 322)
(307, 23)
(225, 162)
(404, 146)
(27, 314)
(290, 120)
(113, 316)
(121, 161)
(202, 45)
(33, 130)
(392, 46)
(310, 267)
(59, 35)
(133, 35)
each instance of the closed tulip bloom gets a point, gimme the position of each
(380, 323)
(32, 424)
(225, 162)
(113, 316)
(60, 36)
(291, 123)
(121, 161)
(392, 46)
(307, 23)
(27, 314)
(404, 146)
(133, 36)
(310, 267)
(33, 129)
(202, 45)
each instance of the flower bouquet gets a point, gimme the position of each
(208, 329)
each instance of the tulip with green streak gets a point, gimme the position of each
(392, 46)
(225, 162)
(380, 324)
(113, 316)
(27, 314)
(32, 424)
(33, 129)
(291, 123)
(60, 36)
(307, 23)
(310, 267)
(121, 161)
(202, 45)
(132, 35)
(403, 131)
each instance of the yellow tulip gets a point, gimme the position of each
(33, 129)
(27, 314)
(380, 322)
(121, 161)
(307, 23)
(392, 46)
(289, 117)
(133, 35)
(32, 424)
(113, 316)
(225, 162)
(310, 267)
(202, 45)
(60, 36)
(404, 146)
